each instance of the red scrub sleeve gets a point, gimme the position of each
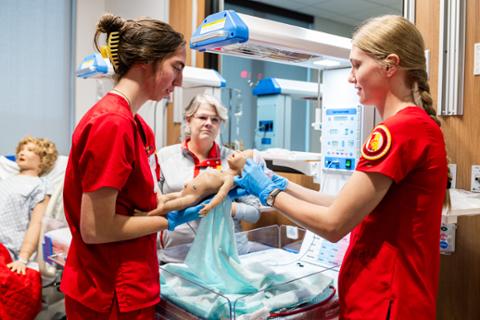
(404, 154)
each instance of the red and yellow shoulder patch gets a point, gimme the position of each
(378, 143)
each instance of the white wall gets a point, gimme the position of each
(88, 12)
(35, 80)
(157, 9)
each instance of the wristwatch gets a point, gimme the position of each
(271, 197)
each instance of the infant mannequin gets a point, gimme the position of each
(207, 183)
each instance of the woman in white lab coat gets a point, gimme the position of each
(182, 162)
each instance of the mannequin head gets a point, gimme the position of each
(236, 161)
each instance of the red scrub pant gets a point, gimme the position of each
(77, 311)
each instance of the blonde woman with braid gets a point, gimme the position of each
(112, 267)
(392, 203)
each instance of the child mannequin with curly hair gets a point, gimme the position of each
(23, 200)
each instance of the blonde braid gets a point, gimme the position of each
(421, 93)
(417, 98)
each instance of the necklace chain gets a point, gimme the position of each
(123, 95)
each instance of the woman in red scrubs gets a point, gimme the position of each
(392, 202)
(112, 269)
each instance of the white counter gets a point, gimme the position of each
(463, 203)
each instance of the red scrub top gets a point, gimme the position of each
(391, 267)
(111, 148)
(213, 158)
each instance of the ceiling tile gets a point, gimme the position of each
(396, 5)
(336, 17)
(351, 12)
(346, 7)
(286, 4)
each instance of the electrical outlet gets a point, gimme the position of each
(447, 238)
(453, 172)
(475, 180)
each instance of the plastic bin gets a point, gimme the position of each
(273, 245)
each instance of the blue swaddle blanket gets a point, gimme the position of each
(213, 278)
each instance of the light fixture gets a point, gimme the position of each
(327, 63)
(231, 33)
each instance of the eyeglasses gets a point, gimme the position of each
(203, 118)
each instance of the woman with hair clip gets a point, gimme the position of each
(180, 163)
(112, 267)
(392, 203)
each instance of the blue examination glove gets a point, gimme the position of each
(280, 182)
(178, 217)
(255, 181)
(237, 193)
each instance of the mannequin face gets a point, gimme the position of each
(28, 159)
(236, 161)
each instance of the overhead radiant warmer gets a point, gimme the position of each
(232, 33)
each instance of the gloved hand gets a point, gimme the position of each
(178, 217)
(237, 193)
(255, 181)
(280, 182)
